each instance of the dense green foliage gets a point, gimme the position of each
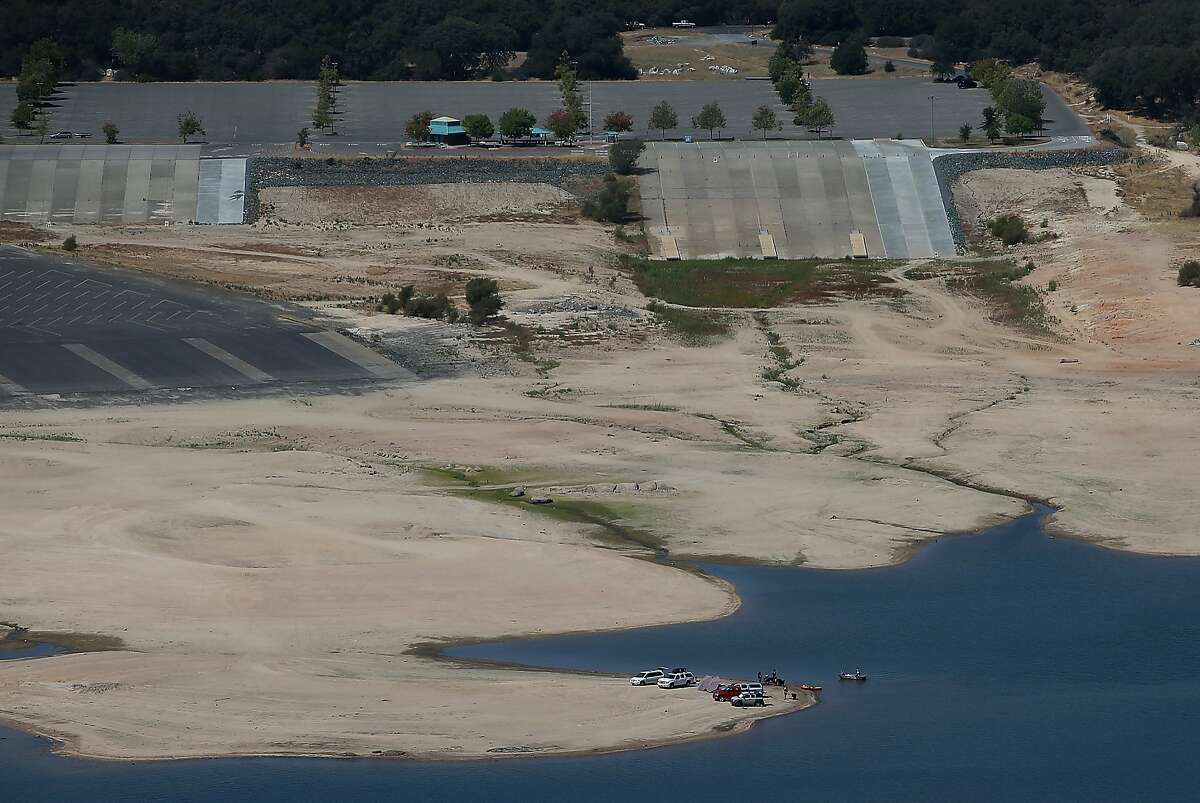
(370, 39)
(849, 57)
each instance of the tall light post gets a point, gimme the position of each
(932, 130)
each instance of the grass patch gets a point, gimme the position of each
(756, 283)
(654, 408)
(692, 326)
(41, 436)
(994, 281)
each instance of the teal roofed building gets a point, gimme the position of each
(448, 131)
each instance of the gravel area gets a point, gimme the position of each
(366, 172)
(950, 167)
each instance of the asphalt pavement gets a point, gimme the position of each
(243, 119)
(71, 328)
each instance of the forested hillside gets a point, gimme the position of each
(1137, 52)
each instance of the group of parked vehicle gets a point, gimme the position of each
(739, 694)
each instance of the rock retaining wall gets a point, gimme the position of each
(950, 167)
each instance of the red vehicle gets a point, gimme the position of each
(727, 693)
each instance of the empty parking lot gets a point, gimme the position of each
(68, 327)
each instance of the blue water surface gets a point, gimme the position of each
(1005, 666)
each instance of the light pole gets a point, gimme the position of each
(932, 131)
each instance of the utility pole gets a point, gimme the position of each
(932, 131)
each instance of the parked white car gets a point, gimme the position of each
(748, 698)
(647, 678)
(676, 680)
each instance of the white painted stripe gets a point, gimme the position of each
(10, 387)
(108, 366)
(232, 360)
(361, 356)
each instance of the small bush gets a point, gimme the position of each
(623, 155)
(1123, 136)
(1189, 274)
(1009, 229)
(889, 41)
(1052, 286)
(1193, 210)
(1160, 140)
(483, 299)
(69, 244)
(610, 204)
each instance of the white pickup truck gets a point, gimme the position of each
(676, 680)
(683, 24)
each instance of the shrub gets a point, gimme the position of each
(1160, 140)
(1194, 209)
(1189, 274)
(610, 203)
(1123, 136)
(1009, 229)
(110, 133)
(889, 66)
(889, 41)
(849, 57)
(69, 244)
(623, 155)
(436, 307)
(1052, 286)
(483, 299)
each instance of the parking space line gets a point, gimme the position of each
(11, 388)
(108, 366)
(232, 360)
(361, 356)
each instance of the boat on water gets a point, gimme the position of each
(857, 676)
(809, 687)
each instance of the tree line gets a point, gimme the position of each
(1138, 53)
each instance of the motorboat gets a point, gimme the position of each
(857, 676)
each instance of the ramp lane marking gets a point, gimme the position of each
(11, 388)
(108, 366)
(232, 360)
(361, 356)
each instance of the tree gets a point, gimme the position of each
(1018, 125)
(568, 87)
(820, 115)
(793, 87)
(663, 117)
(563, 123)
(478, 126)
(942, 70)
(964, 132)
(190, 125)
(764, 118)
(619, 122)
(623, 155)
(22, 116)
(42, 126)
(302, 138)
(135, 51)
(328, 80)
(611, 203)
(589, 34)
(462, 48)
(849, 57)
(517, 123)
(417, 127)
(111, 132)
(991, 124)
(710, 117)
(483, 300)
(889, 66)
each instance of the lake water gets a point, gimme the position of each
(1005, 666)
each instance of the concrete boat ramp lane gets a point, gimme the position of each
(71, 329)
(793, 199)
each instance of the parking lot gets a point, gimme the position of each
(247, 118)
(68, 327)
(713, 200)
